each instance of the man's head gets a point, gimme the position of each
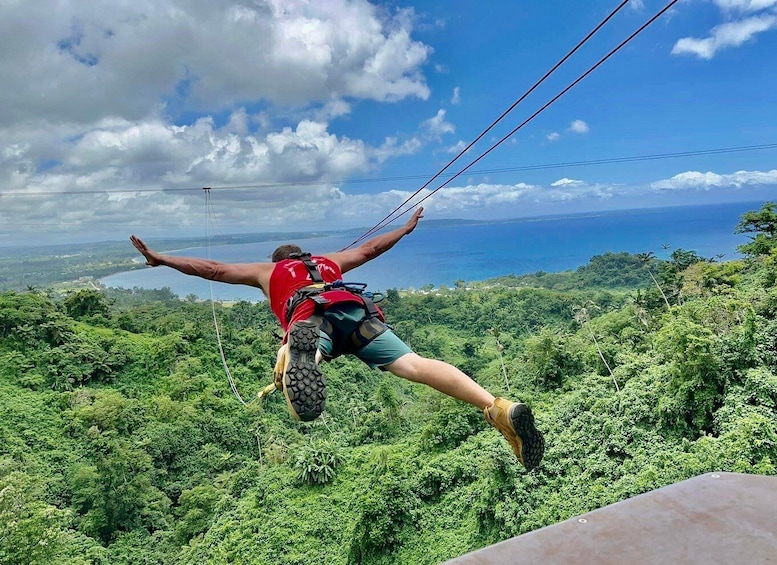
(284, 251)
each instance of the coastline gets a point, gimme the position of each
(443, 255)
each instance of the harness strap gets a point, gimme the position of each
(369, 306)
(368, 330)
(312, 292)
(315, 274)
(363, 335)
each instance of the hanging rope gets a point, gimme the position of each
(210, 215)
(392, 217)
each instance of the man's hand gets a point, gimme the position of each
(151, 256)
(368, 250)
(413, 221)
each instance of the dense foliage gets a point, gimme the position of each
(122, 442)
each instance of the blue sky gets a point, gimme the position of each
(109, 113)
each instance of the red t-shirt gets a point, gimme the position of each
(290, 275)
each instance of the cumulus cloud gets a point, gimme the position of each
(506, 200)
(113, 116)
(748, 19)
(437, 126)
(458, 147)
(745, 5)
(122, 106)
(695, 180)
(122, 171)
(578, 126)
(89, 59)
(567, 182)
(280, 205)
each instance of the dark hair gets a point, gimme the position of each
(284, 251)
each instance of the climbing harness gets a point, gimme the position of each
(370, 327)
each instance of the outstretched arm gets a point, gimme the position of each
(367, 251)
(252, 274)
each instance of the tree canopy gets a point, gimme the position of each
(122, 442)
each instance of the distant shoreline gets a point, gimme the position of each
(440, 255)
(425, 258)
(183, 243)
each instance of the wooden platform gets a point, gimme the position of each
(717, 518)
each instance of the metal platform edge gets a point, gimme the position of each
(714, 518)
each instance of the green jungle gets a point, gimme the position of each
(122, 442)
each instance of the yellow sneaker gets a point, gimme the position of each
(515, 421)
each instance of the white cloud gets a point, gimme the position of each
(578, 126)
(140, 158)
(513, 200)
(481, 196)
(91, 91)
(392, 148)
(89, 59)
(436, 126)
(314, 203)
(637, 5)
(458, 147)
(333, 109)
(695, 180)
(730, 34)
(567, 182)
(745, 6)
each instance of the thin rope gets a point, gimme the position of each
(388, 219)
(211, 216)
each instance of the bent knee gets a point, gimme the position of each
(409, 366)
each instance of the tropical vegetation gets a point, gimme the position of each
(122, 442)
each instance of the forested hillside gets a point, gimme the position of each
(122, 442)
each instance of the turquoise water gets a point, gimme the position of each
(440, 255)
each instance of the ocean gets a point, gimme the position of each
(439, 255)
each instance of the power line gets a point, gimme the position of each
(500, 170)
(631, 159)
(388, 219)
(535, 167)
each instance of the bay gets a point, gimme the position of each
(440, 255)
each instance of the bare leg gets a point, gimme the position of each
(513, 420)
(443, 377)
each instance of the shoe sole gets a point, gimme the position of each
(532, 439)
(304, 385)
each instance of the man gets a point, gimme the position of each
(323, 319)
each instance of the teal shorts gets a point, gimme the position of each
(345, 318)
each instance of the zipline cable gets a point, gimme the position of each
(388, 219)
(211, 216)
